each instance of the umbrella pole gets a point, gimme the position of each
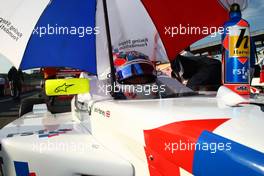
(108, 35)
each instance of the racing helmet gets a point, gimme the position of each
(134, 68)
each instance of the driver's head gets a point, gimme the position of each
(134, 68)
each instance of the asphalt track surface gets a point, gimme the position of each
(9, 108)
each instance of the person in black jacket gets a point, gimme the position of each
(198, 71)
(15, 78)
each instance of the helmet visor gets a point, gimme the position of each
(136, 73)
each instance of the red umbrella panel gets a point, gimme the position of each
(181, 23)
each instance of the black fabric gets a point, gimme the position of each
(13, 75)
(257, 70)
(199, 70)
(16, 77)
(2, 90)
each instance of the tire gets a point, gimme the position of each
(27, 105)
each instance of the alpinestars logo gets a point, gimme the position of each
(63, 88)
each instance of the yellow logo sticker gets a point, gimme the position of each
(57, 87)
(239, 43)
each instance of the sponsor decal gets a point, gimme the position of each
(102, 112)
(50, 134)
(107, 114)
(10, 29)
(41, 133)
(133, 43)
(63, 88)
(242, 88)
(72, 86)
(237, 70)
(239, 42)
(242, 72)
(22, 169)
(238, 88)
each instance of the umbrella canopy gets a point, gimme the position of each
(72, 33)
(64, 36)
(181, 23)
(17, 21)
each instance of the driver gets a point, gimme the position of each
(197, 72)
(135, 73)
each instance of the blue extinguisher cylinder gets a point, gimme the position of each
(236, 53)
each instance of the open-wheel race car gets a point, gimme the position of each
(125, 119)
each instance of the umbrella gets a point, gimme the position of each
(17, 20)
(169, 16)
(81, 33)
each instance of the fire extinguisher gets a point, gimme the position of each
(236, 52)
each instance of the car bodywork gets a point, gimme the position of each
(105, 136)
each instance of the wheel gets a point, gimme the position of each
(27, 105)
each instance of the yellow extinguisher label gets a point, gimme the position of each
(239, 42)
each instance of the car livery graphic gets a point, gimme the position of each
(50, 134)
(22, 169)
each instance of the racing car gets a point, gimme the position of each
(158, 127)
(132, 122)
